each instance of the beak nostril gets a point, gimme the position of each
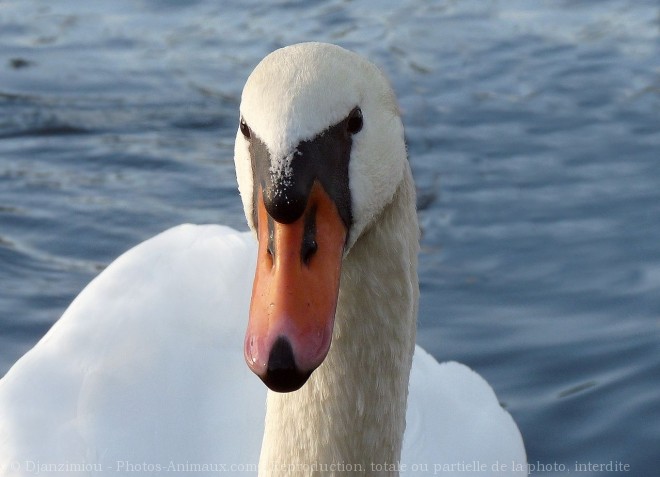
(309, 244)
(309, 248)
(270, 247)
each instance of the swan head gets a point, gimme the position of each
(319, 153)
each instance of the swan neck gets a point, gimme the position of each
(351, 413)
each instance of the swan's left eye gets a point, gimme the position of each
(245, 129)
(354, 124)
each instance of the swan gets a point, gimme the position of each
(144, 371)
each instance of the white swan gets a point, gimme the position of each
(144, 371)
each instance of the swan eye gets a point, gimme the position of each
(354, 124)
(245, 129)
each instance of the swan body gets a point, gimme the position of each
(145, 366)
(138, 369)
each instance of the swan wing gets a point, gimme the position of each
(455, 425)
(145, 366)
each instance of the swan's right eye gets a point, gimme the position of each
(245, 129)
(355, 121)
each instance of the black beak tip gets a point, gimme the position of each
(285, 381)
(282, 375)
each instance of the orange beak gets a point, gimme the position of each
(294, 296)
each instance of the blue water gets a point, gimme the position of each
(534, 136)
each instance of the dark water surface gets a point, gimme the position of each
(534, 135)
